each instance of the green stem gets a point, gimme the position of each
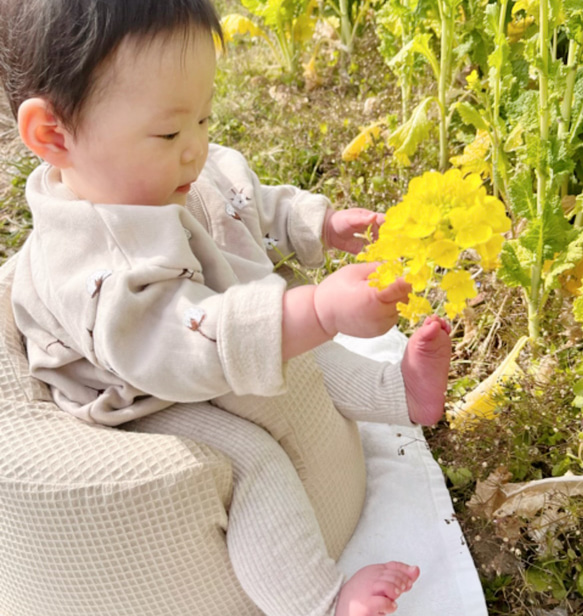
(406, 73)
(361, 13)
(285, 46)
(496, 138)
(345, 28)
(447, 27)
(567, 102)
(534, 302)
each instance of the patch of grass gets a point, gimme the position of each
(15, 217)
(532, 560)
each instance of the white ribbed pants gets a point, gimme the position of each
(273, 538)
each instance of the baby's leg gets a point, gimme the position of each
(425, 369)
(273, 538)
(363, 389)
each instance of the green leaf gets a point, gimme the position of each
(514, 140)
(521, 197)
(303, 28)
(538, 579)
(567, 259)
(471, 115)
(409, 135)
(420, 44)
(492, 19)
(580, 584)
(514, 271)
(561, 467)
(459, 477)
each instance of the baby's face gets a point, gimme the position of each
(143, 135)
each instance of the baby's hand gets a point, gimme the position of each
(345, 302)
(340, 227)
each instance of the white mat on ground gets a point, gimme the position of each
(408, 514)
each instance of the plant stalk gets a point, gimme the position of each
(496, 137)
(534, 301)
(447, 32)
(345, 27)
(567, 102)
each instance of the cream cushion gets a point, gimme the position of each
(100, 521)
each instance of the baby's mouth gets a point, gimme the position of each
(184, 188)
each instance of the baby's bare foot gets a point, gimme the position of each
(372, 590)
(425, 369)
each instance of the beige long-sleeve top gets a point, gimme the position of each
(127, 309)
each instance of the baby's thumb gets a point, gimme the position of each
(363, 270)
(398, 291)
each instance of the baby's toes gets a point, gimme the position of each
(377, 606)
(391, 588)
(411, 572)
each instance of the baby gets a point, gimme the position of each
(147, 284)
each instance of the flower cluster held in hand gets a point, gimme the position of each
(425, 239)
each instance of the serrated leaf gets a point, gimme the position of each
(578, 309)
(521, 197)
(514, 271)
(547, 235)
(470, 115)
(420, 44)
(409, 135)
(475, 156)
(514, 139)
(567, 259)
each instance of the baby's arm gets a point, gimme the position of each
(344, 302)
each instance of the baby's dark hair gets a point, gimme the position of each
(52, 48)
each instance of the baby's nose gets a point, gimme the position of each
(192, 152)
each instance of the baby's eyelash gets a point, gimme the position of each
(169, 136)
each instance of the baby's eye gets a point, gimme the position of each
(169, 136)
(204, 120)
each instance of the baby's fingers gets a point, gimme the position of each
(398, 291)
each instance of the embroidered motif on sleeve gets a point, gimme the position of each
(187, 273)
(193, 319)
(95, 282)
(270, 242)
(238, 201)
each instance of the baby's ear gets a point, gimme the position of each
(42, 132)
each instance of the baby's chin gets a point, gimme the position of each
(179, 198)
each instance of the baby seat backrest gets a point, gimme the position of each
(15, 380)
(102, 521)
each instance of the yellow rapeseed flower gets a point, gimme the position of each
(458, 286)
(422, 221)
(490, 252)
(386, 274)
(419, 279)
(415, 309)
(443, 253)
(425, 239)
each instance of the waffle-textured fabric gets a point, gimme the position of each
(102, 521)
